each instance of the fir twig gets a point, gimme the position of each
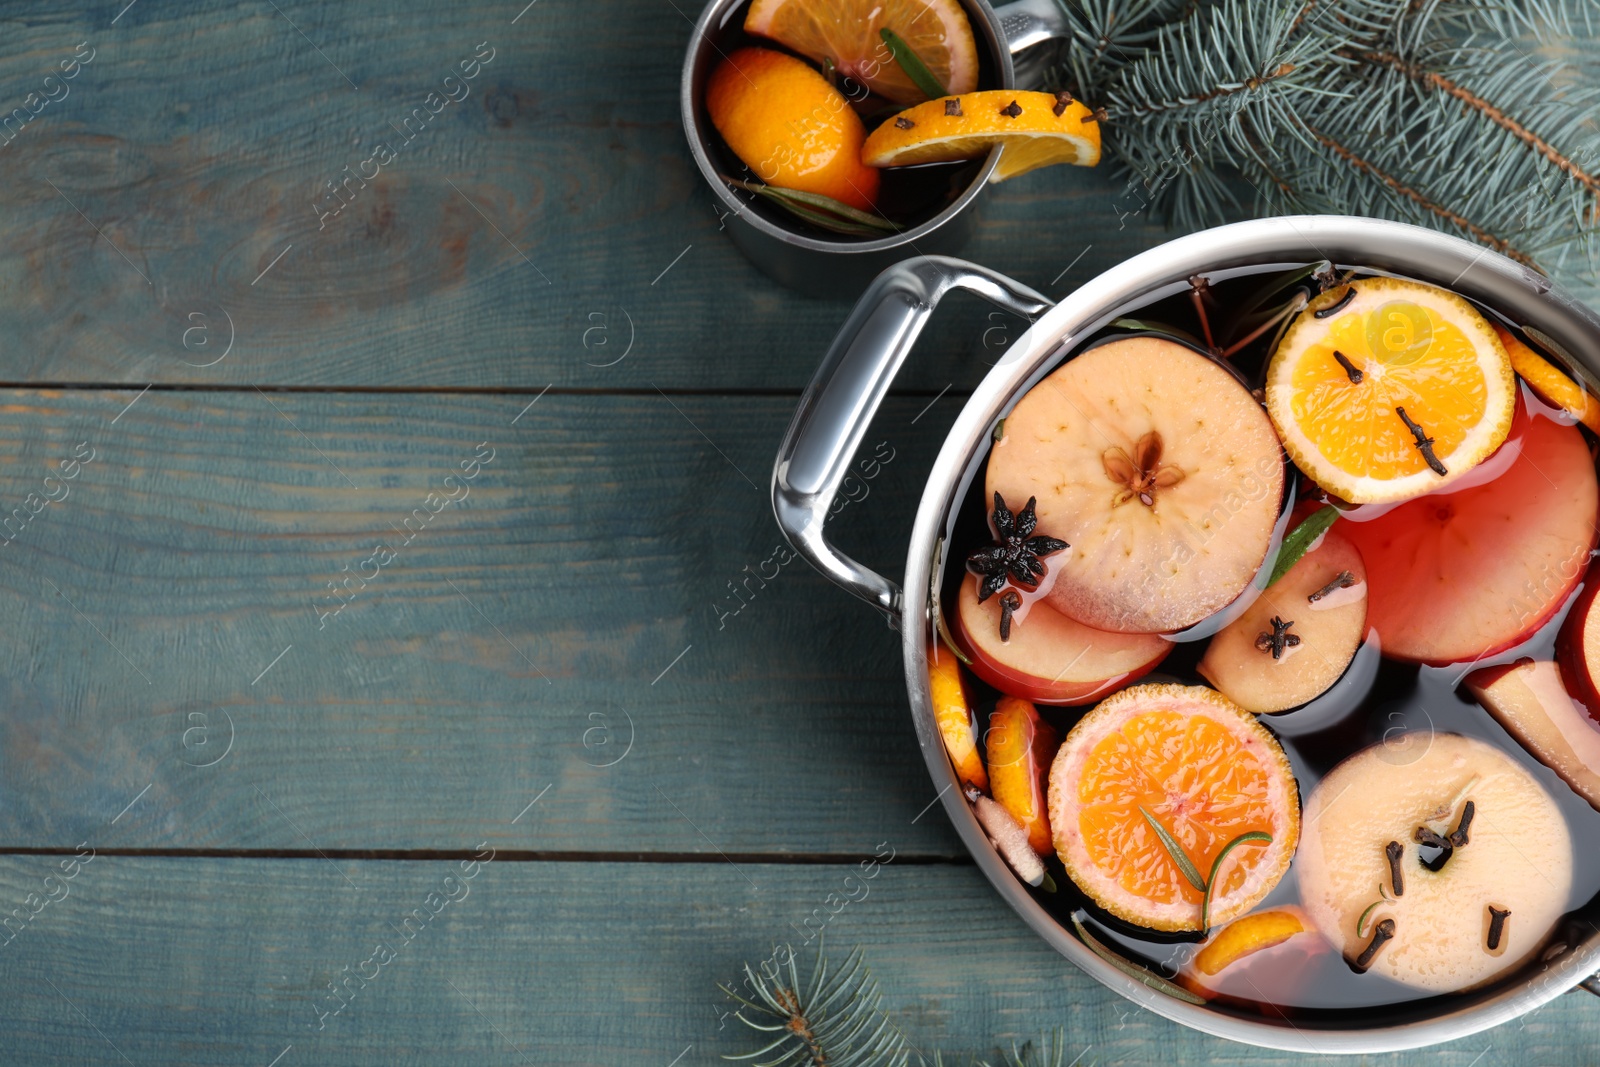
(826, 1022)
(840, 1021)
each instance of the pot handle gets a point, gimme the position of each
(1027, 23)
(842, 398)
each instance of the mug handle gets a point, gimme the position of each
(845, 393)
(1027, 23)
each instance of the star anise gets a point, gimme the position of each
(1141, 474)
(1014, 556)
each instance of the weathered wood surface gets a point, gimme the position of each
(509, 244)
(226, 962)
(526, 635)
(169, 685)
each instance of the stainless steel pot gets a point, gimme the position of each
(855, 375)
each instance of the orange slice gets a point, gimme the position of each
(790, 127)
(953, 711)
(1352, 391)
(1034, 129)
(846, 33)
(1553, 386)
(1021, 745)
(1206, 771)
(1247, 935)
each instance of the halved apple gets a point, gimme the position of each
(1021, 746)
(1320, 605)
(1050, 659)
(1479, 566)
(1160, 471)
(1530, 701)
(1578, 646)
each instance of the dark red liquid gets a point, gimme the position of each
(1376, 700)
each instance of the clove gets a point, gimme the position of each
(1458, 836)
(1497, 926)
(1279, 639)
(1382, 933)
(1393, 852)
(1063, 101)
(1342, 580)
(1337, 306)
(1008, 605)
(1351, 371)
(1424, 443)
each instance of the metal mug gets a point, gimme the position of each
(822, 266)
(855, 376)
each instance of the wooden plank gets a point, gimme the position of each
(522, 237)
(586, 582)
(227, 961)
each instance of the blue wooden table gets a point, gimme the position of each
(384, 681)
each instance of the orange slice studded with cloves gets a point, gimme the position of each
(1384, 389)
(1033, 130)
(1162, 472)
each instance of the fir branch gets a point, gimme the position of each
(1427, 111)
(1498, 244)
(1494, 114)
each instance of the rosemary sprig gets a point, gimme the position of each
(1361, 923)
(1216, 865)
(1301, 538)
(1180, 858)
(1137, 973)
(912, 64)
(822, 211)
(1186, 866)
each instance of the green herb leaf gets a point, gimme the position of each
(1154, 981)
(998, 432)
(1179, 857)
(1300, 538)
(1049, 883)
(823, 211)
(1216, 865)
(912, 64)
(1361, 923)
(1162, 328)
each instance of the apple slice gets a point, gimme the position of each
(1530, 701)
(1020, 747)
(1480, 565)
(1322, 604)
(1160, 471)
(1578, 646)
(1050, 659)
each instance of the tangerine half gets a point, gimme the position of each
(1206, 770)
